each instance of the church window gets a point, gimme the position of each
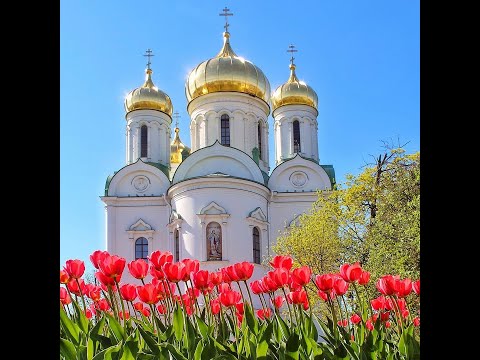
(225, 130)
(214, 241)
(256, 245)
(141, 248)
(296, 137)
(259, 140)
(143, 141)
(177, 245)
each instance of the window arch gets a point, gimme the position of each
(214, 241)
(225, 130)
(141, 248)
(143, 141)
(259, 140)
(176, 240)
(256, 245)
(296, 137)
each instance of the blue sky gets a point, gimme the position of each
(361, 57)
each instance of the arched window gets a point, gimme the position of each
(177, 246)
(143, 141)
(214, 241)
(256, 245)
(259, 140)
(141, 248)
(225, 130)
(296, 137)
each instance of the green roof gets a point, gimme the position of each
(163, 168)
(265, 177)
(330, 172)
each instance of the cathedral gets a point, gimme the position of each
(218, 200)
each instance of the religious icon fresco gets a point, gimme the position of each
(214, 241)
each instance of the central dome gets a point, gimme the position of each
(227, 72)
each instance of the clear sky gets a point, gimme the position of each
(361, 57)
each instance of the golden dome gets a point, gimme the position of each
(148, 97)
(176, 148)
(227, 72)
(294, 92)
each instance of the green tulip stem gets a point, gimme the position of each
(113, 301)
(71, 297)
(359, 299)
(81, 294)
(121, 301)
(308, 299)
(288, 305)
(241, 292)
(249, 295)
(346, 313)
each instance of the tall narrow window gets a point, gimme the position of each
(256, 245)
(259, 140)
(296, 137)
(177, 245)
(141, 248)
(143, 141)
(225, 130)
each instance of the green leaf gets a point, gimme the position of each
(112, 350)
(144, 356)
(262, 349)
(152, 344)
(96, 329)
(202, 327)
(251, 320)
(178, 322)
(90, 348)
(116, 328)
(67, 349)
(292, 346)
(198, 351)
(71, 329)
(283, 326)
(175, 352)
(82, 320)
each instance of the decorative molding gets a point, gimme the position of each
(140, 229)
(176, 221)
(213, 209)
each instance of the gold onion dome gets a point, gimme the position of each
(294, 92)
(227, 72)
(148, 97)
(176, 148)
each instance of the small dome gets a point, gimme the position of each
(176, 149)
(227, 72)
(294, 92)
(148, 97)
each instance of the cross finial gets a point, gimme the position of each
(226, 14)
(291, 49)
(149, 54)
(176, 115)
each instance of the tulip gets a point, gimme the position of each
(355, 319)
(74, 268)
(264, 313)
(364, 278)
(176, 272)
(405, 313)
(224, 287)
(103, 305)
(402, 304)
(325, 282)
(157, 274)
(297, 297)
(388, 284)
(98, 256)
(340, 286)
(112, 266)
(128, 292)
(148, 293)
(105, 280)
(232, 274)
(385, 315)
(215, 306)
(230, 298)
(193, 293)
(244, 270)
(121, 315)
(145, 311)
(351, 273)
(240, 308)
(138, 306)
(369, 324)
(73, 286)
(343, 322)
(65, 298)
(158, 258)
(64, 278)
(416, 287)
(191, 266)
(404, 287)
(325, 295)
(201, 279)
(216, 278)
(280, 277)
(416, 321)
(302, 275)
(378, 303)
(387, 324)
(257, 287)
(280, 261)
(161, 309)
(278, 301)
(138, 268)
(88, 314)
(93, 292)
(269, 284)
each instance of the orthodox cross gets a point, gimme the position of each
(226, 14)
(291, 50)
(149, 55)
(176, 116)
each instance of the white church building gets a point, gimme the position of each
(219, 201)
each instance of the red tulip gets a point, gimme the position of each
(64, 278)
(145, 311)
(193, 293)
(244, 270)
(404, 287)
(264, 313)
(74, 268)
(340, 286)
(302, 275)
(158, 259)
(148, 293)
(305, 305)
(416, 321)
(280, 261)
(216, 278)
(374, 317)
(230, 298)
(112, 266)
(257, 287)
(342, 323)
(224, 287)
(191, 266)
(325, 282)
(355, 319)
(416, 287)
(215, 306)
(388, 284)
(323, 295)
(278, 301)
(385, 315)
(240, 309)
(231, 273)
(269, 284)
(387, 324)
(293, 285)
(402, 304)
(157, 274)
(103, 305)
(128, 292)
(138, 306)
(92, 309)
(405, 313)
(369, 325)
(65, 298)
(240, 319)
(176, 272)
(93, 292)
(88, 314)
(201, 279)
(98, 256)
(297, 297)
(73, 287)
(225, 277)
(350, 273)
(378, 303)
(280, 277)
(105, 280)
(121, 315)
(364, 278)
(138, 268)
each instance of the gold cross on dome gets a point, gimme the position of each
(149, 54)
(291, 49)
(176, 115)
(226, 14)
